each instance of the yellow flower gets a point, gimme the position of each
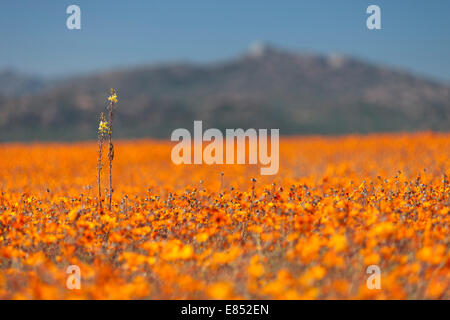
(113, 98)
(103, 127)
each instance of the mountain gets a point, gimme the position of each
(13, 83)
(264, 88)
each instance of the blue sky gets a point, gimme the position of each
(415, 34)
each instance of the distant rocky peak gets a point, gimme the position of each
(336, 60)
(258, 49)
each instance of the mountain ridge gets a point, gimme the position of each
(264, 88)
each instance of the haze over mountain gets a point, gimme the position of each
(13, 83)
(264, 88)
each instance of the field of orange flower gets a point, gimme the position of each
(337, 205)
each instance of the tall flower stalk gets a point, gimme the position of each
(112, 101)
(102, 132)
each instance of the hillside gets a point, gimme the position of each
(13, 83)
(268, 88)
